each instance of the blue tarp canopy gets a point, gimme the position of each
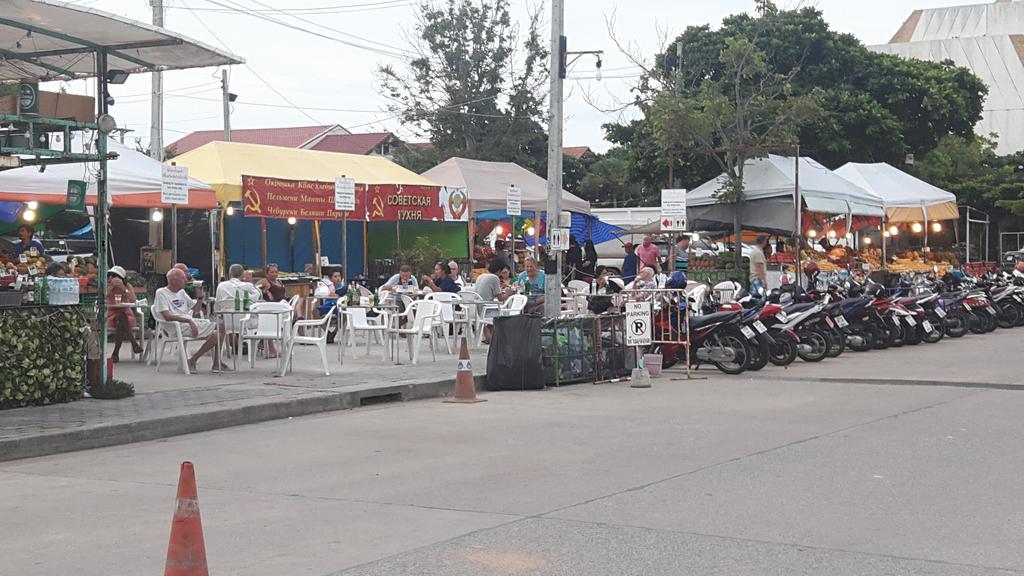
(584, 226)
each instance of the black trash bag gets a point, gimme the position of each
(513, 360)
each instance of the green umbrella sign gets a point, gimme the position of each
(76, 196)
(28, 98)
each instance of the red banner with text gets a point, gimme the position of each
(391, 202)
(299, 199)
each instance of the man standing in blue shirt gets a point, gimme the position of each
(629, 264)
(26, 232)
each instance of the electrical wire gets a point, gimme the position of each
(322, 10)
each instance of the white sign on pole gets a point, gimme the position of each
(174, 184)
(344, 194)
(638, 323)
(673, 210)
(559, 239)
(514, 201)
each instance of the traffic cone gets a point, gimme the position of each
(465, 388)
(186, 553)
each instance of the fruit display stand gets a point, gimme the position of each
(44, 355)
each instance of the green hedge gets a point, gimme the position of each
(43, 358)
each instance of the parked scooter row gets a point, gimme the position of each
(737, 331)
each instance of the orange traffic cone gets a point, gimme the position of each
(465, 388)
(186, 554)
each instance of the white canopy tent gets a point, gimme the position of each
(133, 181)
(769, 191)
(487, 183)
(906, 198)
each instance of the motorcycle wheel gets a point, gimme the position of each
(819, 343)
(884, 336)
(1020, 314)
(837, 342)
(912, 336)
(1008, 316)
(760, 355)
(956, 326)
(783, 351)
(937, 332)
(868, 335)
(733, 338)
(896, 335)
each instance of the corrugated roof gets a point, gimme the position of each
(292, 137)
(576, 152)
(352, 143)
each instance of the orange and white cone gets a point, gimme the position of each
(465, 388)
(186, 553)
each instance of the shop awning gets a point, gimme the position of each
(826, 205)
(45, 40)
(487, 185)
(222, 164)
(906, 198)
(133, 182)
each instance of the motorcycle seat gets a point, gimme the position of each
(799, 307)
(708, 319)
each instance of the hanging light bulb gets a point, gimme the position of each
(812, 233)
(866, 241)
(597, 75)
(230, 210)
(29, 215)
(832, 234)
(531, 231)
(936, 226)
(157, 215)
(885, 234)
(894, 231)
(32, 205)
(292, 220)
(498, 230)
(916, 227)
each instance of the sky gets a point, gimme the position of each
(323, 81)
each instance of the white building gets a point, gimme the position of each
(988, 39)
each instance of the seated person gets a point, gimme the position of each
(441, 280)
(488, 286)
(336, 289)
(644, 280)
(173, 304)
(404, 279)
(28, 243)
(531, 281)
(454, 267)
(122, 320)
(601, 301)
(226, 292)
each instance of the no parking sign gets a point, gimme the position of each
(638, 324)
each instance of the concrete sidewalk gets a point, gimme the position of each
(169, 403)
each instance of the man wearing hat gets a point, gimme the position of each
(121, 319)
(629, 264)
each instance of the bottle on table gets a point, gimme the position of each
(238, 300)
(246, 301)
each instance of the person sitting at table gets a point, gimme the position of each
(121, 320)
(454, 267)
(28, 243)
(225, 301)
(441, 280)
(505, 277)
(531, 281)
(335, 289)
(488, 286)
(403, 279)
(247, 277)
(601, 300)
(173, 304)
(644, 280)
(270, 286)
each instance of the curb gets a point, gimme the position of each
(165, 427)
(899, 382)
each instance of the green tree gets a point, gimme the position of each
(608, 182)
(475, 86)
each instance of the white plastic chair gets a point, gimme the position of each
(318, 327)
(172, 333)
(513, 306)
(579, 286)
(420, 316)
(356, 320)
(269, 327)
(448, 316)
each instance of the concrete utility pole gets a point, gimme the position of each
(156, 123)
(226, 95)
(553, 284)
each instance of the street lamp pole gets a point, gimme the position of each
(553, 286)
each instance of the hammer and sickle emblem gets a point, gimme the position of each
(252, 199)
(378, 207)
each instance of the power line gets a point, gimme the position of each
(182, 89)
(392, 52)
(322, 10)
(249, 68)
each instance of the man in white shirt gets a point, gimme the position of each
(173, 304)
(758, 266)
(227, 290)
(404, 279)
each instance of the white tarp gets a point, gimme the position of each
(900, 190)
(134, 181)
(774, 177)
(487, 183)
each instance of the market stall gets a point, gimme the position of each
(294, 234)
(913, 208)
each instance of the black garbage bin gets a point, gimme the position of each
(513, 360)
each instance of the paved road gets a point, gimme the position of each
(713, 477)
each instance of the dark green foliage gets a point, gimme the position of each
(43, 359)
(112, 390)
